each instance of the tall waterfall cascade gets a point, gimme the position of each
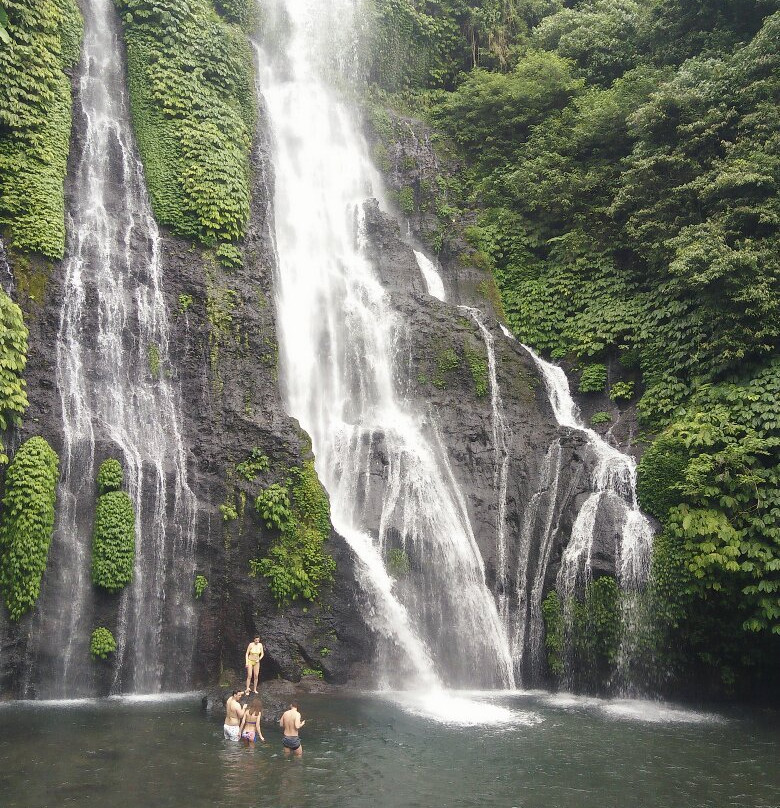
(112, 366)
(338, 341)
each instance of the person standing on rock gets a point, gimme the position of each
(254, 653)
(234, 713)
(290, 722)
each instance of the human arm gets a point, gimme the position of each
(246, 655)
(259, 731)
(298, 722)
(243, 722)
(262, 651)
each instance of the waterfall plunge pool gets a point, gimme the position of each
(538, 750)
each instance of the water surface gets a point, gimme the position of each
(536, 750)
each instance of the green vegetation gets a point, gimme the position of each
(185, 301)
(479, 370)
(621, 391)
(621, 156)
(228, 511)
(13, 359)
(102, 643)
(398, 563)
(595, 629)
(153, 357)
(312, 672)
(27, 523)
(201, 582)
(251, 468)
(110, 476)
(273, 505)
(191, 85)
(554, 632)
(600, 418)
(41, 45)
(297, 564)
(113, 537)
(446, 362)
(406, 200)
(593, 379)
(587, 629)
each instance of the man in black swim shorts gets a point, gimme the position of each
(290, 722)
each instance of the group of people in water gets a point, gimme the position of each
(242, 722)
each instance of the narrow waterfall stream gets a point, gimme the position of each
(500, 464)
(381, 461)
(117, 401)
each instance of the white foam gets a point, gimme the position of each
(570, 700)
(656, 712)
(129, 698)
(454, 708)
(135, 698)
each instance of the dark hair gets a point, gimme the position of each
(255, 706)
(237, 691)
(295, 704)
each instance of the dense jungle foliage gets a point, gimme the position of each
(192, 95)
(624, 160)
(40, 48)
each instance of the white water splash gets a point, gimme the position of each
(382, 463)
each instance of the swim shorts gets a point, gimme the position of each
(231, 733)
(291, 742)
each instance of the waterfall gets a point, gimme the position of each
(431, 276)
(539, 520)
(6, 276)
(500, 464)
(381, 460)
(117, 400)
(614, 481)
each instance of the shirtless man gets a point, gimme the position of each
(254, 653)
(234, 712)
(290, 722)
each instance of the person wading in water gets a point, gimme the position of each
(254, 653)
(290, 722)
(234, 713)
(250, 723)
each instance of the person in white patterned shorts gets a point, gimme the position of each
(234, 712)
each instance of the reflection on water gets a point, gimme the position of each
(552, 751)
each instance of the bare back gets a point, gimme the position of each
(291, 723)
